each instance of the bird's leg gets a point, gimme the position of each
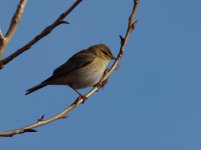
(82, 96)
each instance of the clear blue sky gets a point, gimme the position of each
(152, 102)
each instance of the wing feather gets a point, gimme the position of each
(76, 62)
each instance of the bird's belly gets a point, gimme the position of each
(84, 79)
(87, 76)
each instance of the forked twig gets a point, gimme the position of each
(79, 100)
(46, 31)
(4, 40)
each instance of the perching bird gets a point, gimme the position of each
(82, 70)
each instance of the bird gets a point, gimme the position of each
(82, 70)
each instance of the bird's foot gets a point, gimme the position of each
(101, 84)
(83, 97)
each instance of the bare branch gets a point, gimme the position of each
(79, 100)
(130, 28)
(13, 26)
(16, 19)
(46, 31)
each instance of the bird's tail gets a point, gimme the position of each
(37, 87)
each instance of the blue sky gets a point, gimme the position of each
(151, 102)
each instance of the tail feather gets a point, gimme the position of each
(37, 87)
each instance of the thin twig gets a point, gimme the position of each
(79, 100)
(13, 26)
(46, 31)
(130, 28)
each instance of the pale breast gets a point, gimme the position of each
(88, 75)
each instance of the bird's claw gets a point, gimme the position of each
(83, 97)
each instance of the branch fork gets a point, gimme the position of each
(4, 40)
(60, 20)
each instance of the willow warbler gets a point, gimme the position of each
(82, 70)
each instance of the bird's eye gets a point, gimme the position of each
(105, 53)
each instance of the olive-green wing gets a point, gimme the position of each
(77, 61)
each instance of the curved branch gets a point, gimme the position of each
(79, 100)
(13, 26)
(46, 31)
